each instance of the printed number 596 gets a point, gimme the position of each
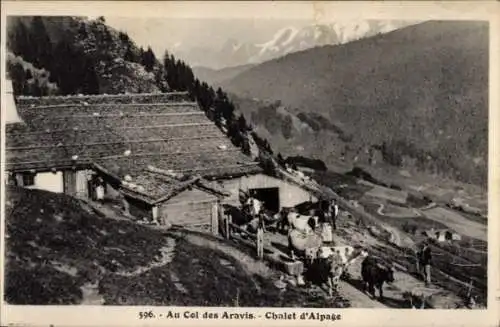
(146, 314)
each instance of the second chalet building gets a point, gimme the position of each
(157, 155)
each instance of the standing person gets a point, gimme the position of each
(425, 262)
(324, 219)
(254, 206)
(260, 235)
(99, 189)
(335, 213)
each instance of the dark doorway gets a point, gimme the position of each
(269, 196)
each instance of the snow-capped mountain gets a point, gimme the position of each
(286, 40)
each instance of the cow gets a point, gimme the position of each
(294, 220)
(326, 269)
(347, 254)
(283, 218)
(306, 243)
(374, 275)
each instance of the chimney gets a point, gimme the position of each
(11, 115)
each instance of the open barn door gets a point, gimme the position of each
(270, 197)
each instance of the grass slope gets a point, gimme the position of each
(422, 89)
(46, 230)
(55, 248)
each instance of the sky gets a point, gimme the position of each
(169, 33)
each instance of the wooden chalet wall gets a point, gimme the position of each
(289, 194)
(139, 209)
(71, 182)
(82, 183)
(192, 207)
(48, 181)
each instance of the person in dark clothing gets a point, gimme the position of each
(425, 262)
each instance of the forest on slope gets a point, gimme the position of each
(418, 95)
(78, 56)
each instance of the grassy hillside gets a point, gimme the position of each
(60, 252)
(419, 95)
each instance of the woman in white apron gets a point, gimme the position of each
(99, 190)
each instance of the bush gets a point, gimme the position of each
(410, 228)
(362, 174)
(315, 164)
(395, 187)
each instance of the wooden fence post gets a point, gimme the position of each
(215, 219)
(260, 243)
(227, 228)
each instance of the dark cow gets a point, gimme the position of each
(283, 223)
(374, 275)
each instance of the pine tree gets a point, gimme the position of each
(124, 38)
(90, 81)
(148, 59)
(19, 40)
(65, 67)
(242, 124)
(82, 30)
(281, 161)
(41, 44)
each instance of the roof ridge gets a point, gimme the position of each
(121, 141)
(59, 106)
(210, 123)
(151, 154)
(168, 114)
(96, 96)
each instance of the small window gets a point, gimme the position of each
(28, 179)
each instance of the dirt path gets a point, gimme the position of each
(167, 255)
(248, 262)
(394, 293)
(357, 297)
(381, 212)
(404, 280)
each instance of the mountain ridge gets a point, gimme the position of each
(421, 91)
(288, 39)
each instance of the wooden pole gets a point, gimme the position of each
(215, 218)
(469, 289)
(228, 228)
(260, 243)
